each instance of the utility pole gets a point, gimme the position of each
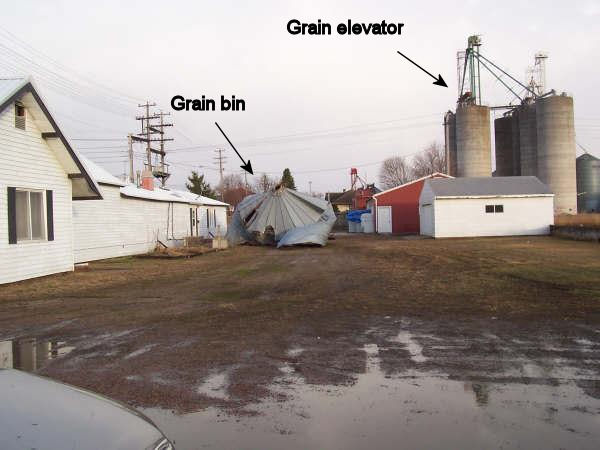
(163, 171)
(220, 159)
(148, 129)
(131, 174)
(310, 187)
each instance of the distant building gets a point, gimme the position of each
(341, 201)
(485, 206)
(41, 176)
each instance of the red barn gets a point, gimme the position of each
(397, 209)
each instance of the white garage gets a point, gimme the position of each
(485, 206)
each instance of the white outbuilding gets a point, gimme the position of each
(130, 220)
(41, 176)
(485, 206)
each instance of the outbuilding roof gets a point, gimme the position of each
(488, 187)
(433, 175)
(102, 176)
(24, 91)
(99, 174)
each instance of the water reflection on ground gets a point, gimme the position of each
(30, 354)
(439, 397)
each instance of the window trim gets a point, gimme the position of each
(43, 218)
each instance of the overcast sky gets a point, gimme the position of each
(316, 104)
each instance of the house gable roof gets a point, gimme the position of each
(520, 186)
(24, 91)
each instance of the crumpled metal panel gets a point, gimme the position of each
(281, 216)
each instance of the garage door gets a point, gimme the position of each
(384, 219)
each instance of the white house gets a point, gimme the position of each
(131, 220)
(485, 206)
(40, 176)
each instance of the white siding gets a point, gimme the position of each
(121, 226)
(467, 217)
(28, 162)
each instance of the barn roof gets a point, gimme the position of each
(24, 91)
(488, 186)
(433, 175)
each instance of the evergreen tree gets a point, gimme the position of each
(288, 180)
(199, 186)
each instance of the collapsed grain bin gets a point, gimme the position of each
(282, 217)
(588, 184)
(556, 150)
(473, 141)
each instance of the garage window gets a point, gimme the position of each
(491, 209)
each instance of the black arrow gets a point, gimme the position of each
(247, 166)
(438, 80)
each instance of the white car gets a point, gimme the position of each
(36, 412)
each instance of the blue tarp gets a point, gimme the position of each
(354, 215)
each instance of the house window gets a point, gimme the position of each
(19, 116)
(489, 208)
(30, 217)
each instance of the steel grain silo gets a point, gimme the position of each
(504, 146)
(473, 141)
(556, 150)
(528, 139)
(515, 143)
(588, 183)
(450, 141)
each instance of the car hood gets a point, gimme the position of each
(37, 412)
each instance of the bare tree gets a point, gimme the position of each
(394, 171)
(265, 183)
(432, 159)
(233, 189)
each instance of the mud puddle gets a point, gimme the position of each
(422, 402)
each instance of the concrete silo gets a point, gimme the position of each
(473, 141)
(528, 139)
(450, 142)
(504, 146)
(515, 143)
(556, 150)
(588, 183)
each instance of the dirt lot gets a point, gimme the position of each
(150, 332)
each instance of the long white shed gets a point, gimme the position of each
(485, 206)
(131, 220)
